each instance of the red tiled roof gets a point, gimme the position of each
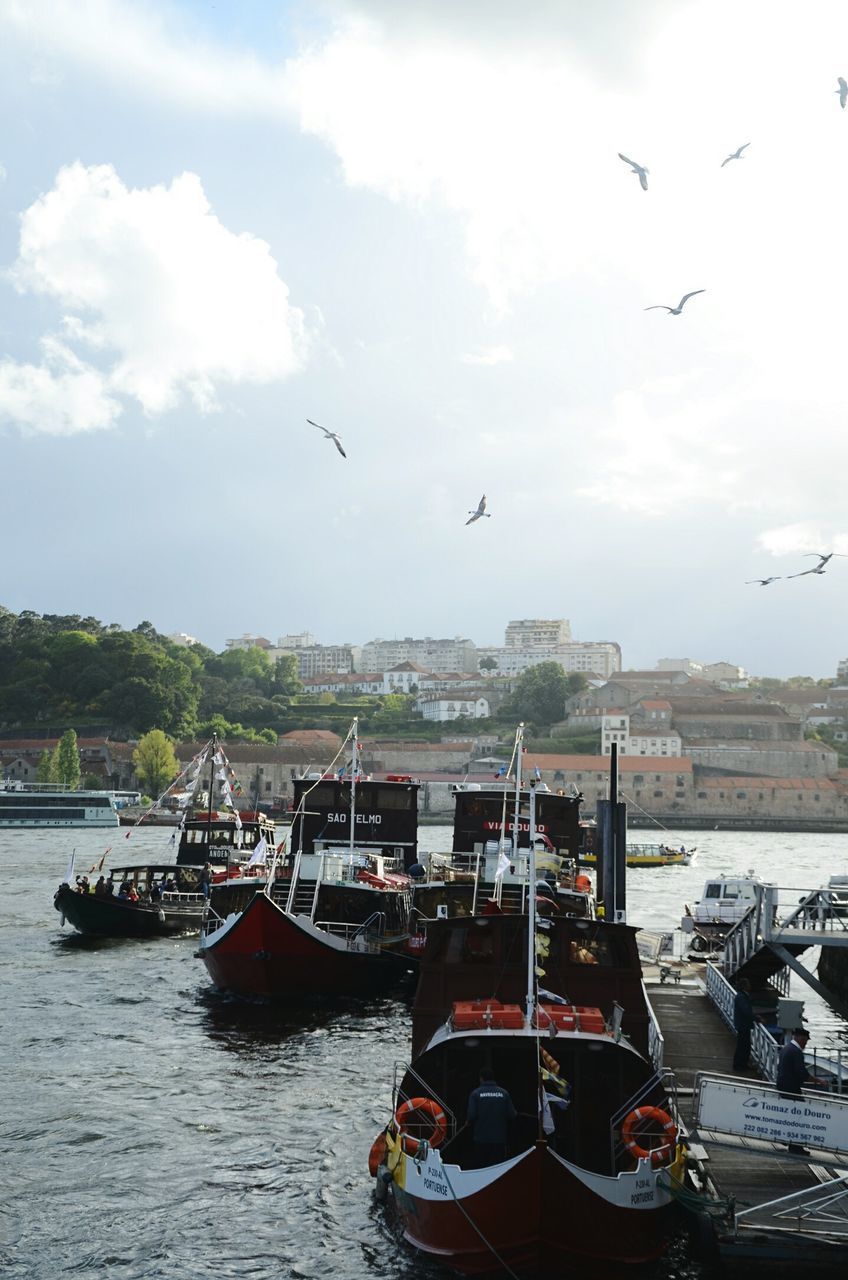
(601, 764)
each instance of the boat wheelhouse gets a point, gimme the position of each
(32, 805)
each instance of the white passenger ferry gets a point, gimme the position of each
(50, 806)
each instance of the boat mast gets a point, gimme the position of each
(519, 739)
(354, 764)
(212, 754)
(531, 910)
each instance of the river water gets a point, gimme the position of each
(155, 1128)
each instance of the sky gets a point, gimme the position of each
(410, 224)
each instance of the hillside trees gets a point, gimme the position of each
(155, 762)
(540, 694)
(68, 760)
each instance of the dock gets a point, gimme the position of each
(761, 1204)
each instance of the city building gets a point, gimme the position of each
(598, 657)
(458, 654)
(434, 706)
(530, 633)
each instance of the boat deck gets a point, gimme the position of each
(811, 1227)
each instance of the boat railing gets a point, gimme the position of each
(180, 899)
(423, 1088)
(660, 1087)
(656, 1040)
(358, 937)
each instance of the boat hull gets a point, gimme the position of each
(535, 1213)
(267, 952)
(112, 918)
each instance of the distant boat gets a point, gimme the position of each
(648, 855)
(34, 805)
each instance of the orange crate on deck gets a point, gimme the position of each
(591, 1019)
(563, 1017)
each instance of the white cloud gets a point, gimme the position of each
(2, 173)
(61, 396)
(801, 539)
(500, 354)
(151, 280)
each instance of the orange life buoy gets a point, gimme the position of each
(658, 1155)
(377, 1154)
(584, 884)
(436, 1114)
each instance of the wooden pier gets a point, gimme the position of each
(763, 1203)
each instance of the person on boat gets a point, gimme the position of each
(100, 888)
(132, 893)
(205, 880)
(82, 884)
(490, 1114)
(155, 890)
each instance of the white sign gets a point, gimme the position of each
(755, 1112)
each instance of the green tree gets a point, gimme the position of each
(46, 768)
(488, 664)
(540, 694)
(68, 760)
(155, 762)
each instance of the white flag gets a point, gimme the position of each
(69, 874)
(258, 855)
(237, 817)
(503, 865)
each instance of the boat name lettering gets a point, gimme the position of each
(374, 818)
(490, 825)
(642, 1197)
(432, 1184)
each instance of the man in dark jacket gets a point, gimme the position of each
(490, 1113)
(743, 1022)
(792, 1074)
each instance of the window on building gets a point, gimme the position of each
(680, 795)
(658, 794)
(721, 795)
(681, 781)
(638, 777)
(740, 795)
(702, 795)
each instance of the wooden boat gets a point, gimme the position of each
(332, 916)
(554, 1008)
(166, 897)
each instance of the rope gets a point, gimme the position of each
(508, 1269)
(636, 805)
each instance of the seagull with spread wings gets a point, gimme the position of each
(638, 169)
(481, 511)
(842, 90)
(736, 155)
(762, 582)
(329, 435)
(675, 311)
(817, 568)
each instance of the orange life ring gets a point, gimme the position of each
(583, 883)
(436, 1114)
(377, 1154)
(658, 1155)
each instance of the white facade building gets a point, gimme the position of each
(529, 633)
(458, 654)
(599, 656)
(444, 708)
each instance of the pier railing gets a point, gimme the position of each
(764, 1048)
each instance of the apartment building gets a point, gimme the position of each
(530, 633)
(458, 654)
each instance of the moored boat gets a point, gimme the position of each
(331, 917)
(40, 805)
(549, 1009)
(158, 898)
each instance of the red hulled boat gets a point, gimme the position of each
(330, 917)
(551, 1008)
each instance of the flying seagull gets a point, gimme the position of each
(736, 155)
(481, 511)
(329, 435)
(637, 169)
(842, 90)
(817, 568)
(762, 582)
(675, 311)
